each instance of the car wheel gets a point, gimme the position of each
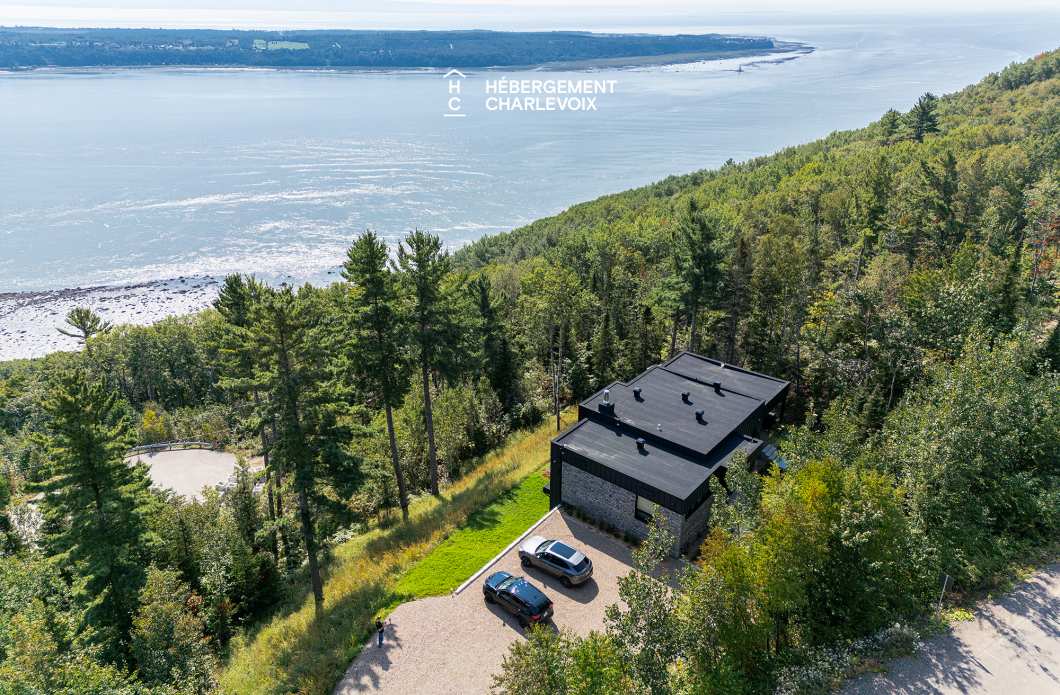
(566, 581)
(523, 622)
(526, 561)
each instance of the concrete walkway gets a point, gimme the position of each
(1011, 648)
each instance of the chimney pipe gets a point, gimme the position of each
(607, 395)
(640, 444)
(699, 417)
(684, 396)
(636, 393)
(717, 387)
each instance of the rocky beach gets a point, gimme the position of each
(29, 321)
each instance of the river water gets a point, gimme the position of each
(134, 190)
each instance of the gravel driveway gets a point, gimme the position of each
(1011, 648)
(454, 644)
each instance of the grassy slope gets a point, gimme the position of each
(291, 654)
(486, 533)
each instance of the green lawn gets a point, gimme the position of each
(295, 653)
(486, 533)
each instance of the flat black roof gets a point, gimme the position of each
(707, 371)
(661, 405)
(657, 466)
(680, 451)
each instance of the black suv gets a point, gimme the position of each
(517, 596)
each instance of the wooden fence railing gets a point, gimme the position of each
(170, 446)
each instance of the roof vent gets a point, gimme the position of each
(636, 393)
(717, 386)
(699, 417)
(640, 444)
(685, 397)
(606, 406)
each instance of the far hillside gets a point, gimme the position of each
(42, 47)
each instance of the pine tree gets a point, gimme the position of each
(922, 117)
(435, 330)
(497, 356)
(889, 126)
(604, 352)
(645, 341)
(942, 186)
(235, 303)
(290, 370)
(95, 506)
(84, 323)
(8, 540)
(379, 338)
(1051, 350)
(697, 263)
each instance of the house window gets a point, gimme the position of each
(645, 509)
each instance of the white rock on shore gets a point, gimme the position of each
(29, 320)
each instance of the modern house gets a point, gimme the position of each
(651, 445)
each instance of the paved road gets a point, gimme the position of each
(453, 645)
(1011, 648)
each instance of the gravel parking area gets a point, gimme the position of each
(188, 471)
(454, 644)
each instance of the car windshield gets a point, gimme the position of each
(543, 546)
(564, 551)
(507, 583)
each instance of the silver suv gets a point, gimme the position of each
(557, 558)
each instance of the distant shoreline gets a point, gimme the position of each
(29, 317)
(29, 48)
(788, 49)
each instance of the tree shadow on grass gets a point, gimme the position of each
(317, 658)
(488, 517)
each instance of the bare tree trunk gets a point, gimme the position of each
(559, 374)
(555, 375)
(268, 484)
(309, 538)
(428, 418)
(730, 340)
(890, 394)
(693, 338)
(673, 336)
(285, 542)
(396, 460)
(272, 511)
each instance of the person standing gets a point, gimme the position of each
(379, 631)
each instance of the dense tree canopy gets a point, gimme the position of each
(902, 276)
